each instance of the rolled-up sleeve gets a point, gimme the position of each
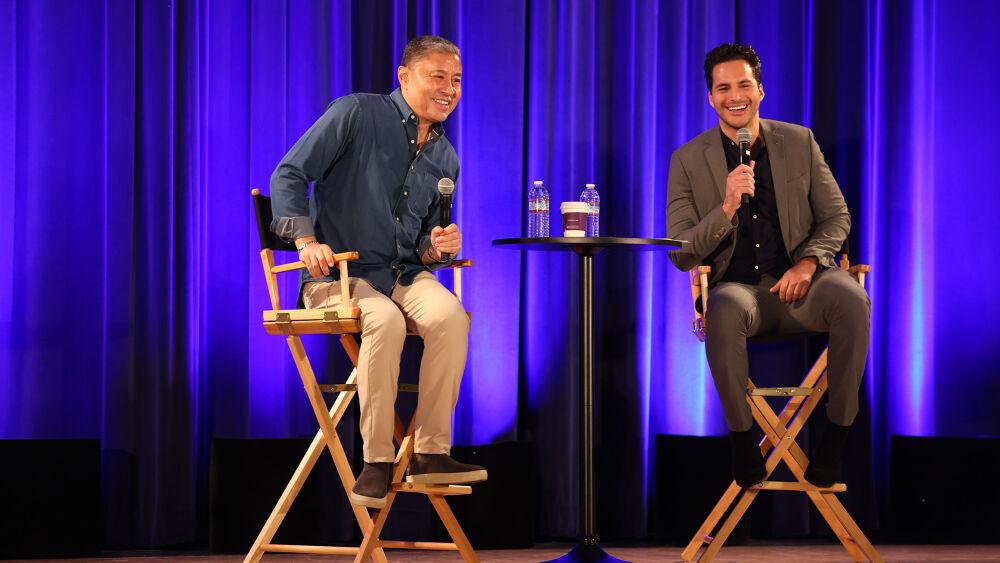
(311, 156)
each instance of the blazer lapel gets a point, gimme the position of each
(716, 160)
(779, 175)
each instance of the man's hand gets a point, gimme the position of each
(317, 257)
(795, 283)
(447, 240)
(740, 181)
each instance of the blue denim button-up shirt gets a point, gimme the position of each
(372, 191)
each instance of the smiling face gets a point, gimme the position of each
(432, 86)
(736, 97)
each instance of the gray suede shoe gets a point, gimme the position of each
(440, 469)
(372, 485)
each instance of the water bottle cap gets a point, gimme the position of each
(591, 186)
(538, 182)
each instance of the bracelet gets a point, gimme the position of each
(305, 245)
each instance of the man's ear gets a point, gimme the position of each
(710, 101)
(403, 74)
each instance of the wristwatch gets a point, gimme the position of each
(305, 245)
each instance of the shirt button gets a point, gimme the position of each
(756, 267)
(404, 121)
(412, 141)
(757, 245)
(753, 216)
(397, 219)
(406, 193)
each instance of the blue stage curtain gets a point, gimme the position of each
(131, 133)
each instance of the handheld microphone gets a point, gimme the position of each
(743, 137)
(446, 187)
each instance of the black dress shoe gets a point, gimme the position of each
(824, 467)
(372, 485)
(440, 469)
(748, 465)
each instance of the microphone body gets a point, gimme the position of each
(743, 137)
(446, 187)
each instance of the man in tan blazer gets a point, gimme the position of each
(772, 256)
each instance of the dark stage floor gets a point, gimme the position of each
(791, 552)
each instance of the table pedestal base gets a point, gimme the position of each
(584, 553)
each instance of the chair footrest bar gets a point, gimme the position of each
(309, 549)
(781, 392)
(796, 486)
(442, 490)
(428, 545)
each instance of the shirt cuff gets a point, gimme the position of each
(290, 228)
(424, 246)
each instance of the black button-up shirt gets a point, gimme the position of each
(373, 191)
(759, 246)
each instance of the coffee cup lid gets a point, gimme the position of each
(574, 206)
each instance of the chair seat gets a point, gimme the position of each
(317, 321)
(313, 321)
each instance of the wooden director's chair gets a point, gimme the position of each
(780, 431)
(291, 323)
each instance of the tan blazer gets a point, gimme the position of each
(812, 213)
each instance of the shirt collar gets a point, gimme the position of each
(758, 143)
(407, 116)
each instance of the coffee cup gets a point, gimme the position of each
(574, 218)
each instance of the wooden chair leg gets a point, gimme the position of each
(313, 453)
(781, 443)
(327, 438)
(780, 434)
(287, 498)
(797, 461)
(852, 527)
(371, 535)
(329, 430)
(703, 535)
(454, 529)
(727, 527)
(792, 406)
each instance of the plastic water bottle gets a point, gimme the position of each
(543, 210)
(538, 210)
(590, 197)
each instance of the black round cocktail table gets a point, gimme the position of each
(587, 548)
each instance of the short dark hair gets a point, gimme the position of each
(421, 45)
(731, 52)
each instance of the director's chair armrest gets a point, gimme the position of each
(699, 296)
(300, 265)
(456, 270)
(859, 271)
(271, 270)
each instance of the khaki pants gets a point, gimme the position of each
(437, 316)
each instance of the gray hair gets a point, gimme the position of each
(421, 45)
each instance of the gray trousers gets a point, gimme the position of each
(836, 303)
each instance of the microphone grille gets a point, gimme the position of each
(743, 135)
(446, 186)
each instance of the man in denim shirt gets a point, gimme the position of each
(375, 162)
